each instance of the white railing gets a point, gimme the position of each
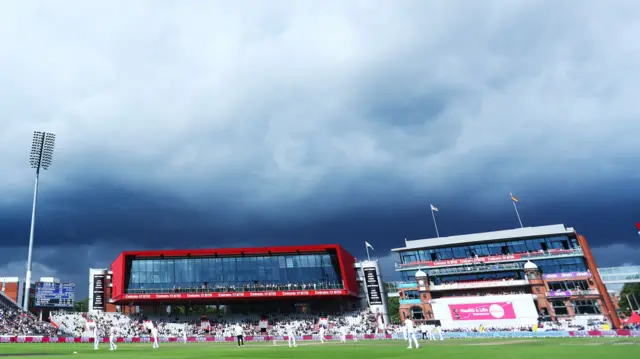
(570, 293)
(480, 284)
(478, 268)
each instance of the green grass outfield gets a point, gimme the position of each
(566, 348)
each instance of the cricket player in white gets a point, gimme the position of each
(154, 336)
(239, 332)
(411, 335)
(439, 331)
(92, 327)
(430, 330)
(321, 333)
(113, 334)
(424, 330)
(343, 334)
(291, 336)
(354, 334)
(184, 335)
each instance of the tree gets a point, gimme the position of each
(630, 296)
(81, 305)
(394, 310)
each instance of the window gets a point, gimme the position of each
(495, 248)
(560, 307)
(480, 250)
(411, 294)
(444, 253)
(573, 285)
(461, 252)
(586, 307)
(517, 246)
(533, 245)
(561, 265)
(417, 313)
(409, 257)
(408, 276)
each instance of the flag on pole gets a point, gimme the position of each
(638, 226)
(434, 209)
(368, 245)
(514, 200)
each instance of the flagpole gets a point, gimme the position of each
(367, 248)
(435, 224)
(517, 214)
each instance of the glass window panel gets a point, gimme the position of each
(299, 270)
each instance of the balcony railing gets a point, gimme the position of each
(237, 289)
(476, 269)
(571, 293)
(552, 253)
(480, 284)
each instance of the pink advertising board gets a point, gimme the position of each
(482, 311)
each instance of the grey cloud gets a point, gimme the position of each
(617, 254)
(305, 97)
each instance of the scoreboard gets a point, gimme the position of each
(56, 295)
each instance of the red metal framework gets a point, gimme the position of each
(345, 259)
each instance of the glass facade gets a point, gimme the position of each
(294, 271)
(408, 276)
(559, 307)
(557, 265)
(586, 307)
(620, 274)
(561, 265)
(488, 249)
(411, 294)
(569, 285)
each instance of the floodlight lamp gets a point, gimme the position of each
(42, 149)
(47, 150)
(36, 149)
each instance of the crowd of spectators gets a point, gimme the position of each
(15, 321)
(361, 322)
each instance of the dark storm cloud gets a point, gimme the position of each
(223, 123)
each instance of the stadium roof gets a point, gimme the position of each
(527, 232)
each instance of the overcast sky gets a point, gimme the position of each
(251, 123)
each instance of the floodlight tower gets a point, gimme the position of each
(41, 156)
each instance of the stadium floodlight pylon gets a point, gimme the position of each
(40, 159)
